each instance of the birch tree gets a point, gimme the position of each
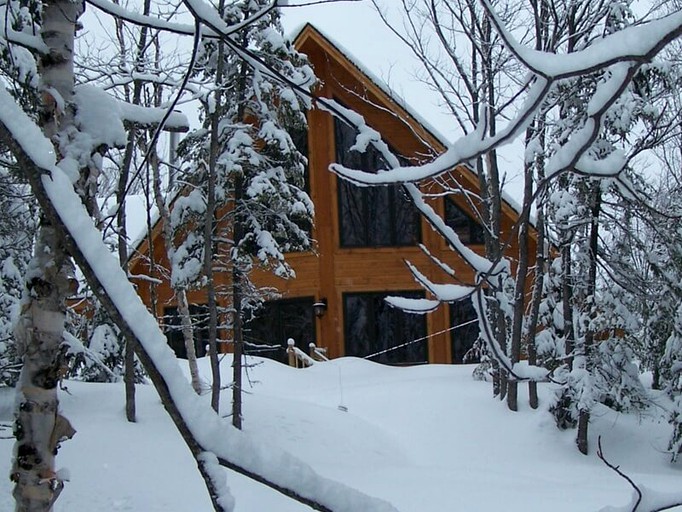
(39, 428)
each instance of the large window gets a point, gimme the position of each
(464, 333)
(379, 216)
(173, 329)
(372, 326)
(267, 333)
(468, 230)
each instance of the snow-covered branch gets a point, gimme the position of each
(620, 55)
(222, 29)
(637, 44)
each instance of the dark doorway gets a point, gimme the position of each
(465, 332)
(372, 327)
(172, 327)
(275, 322)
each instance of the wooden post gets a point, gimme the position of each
(292, 353)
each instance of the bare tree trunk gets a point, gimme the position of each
(209, 228)
(536, 299)
(588, 342)
(39, 428)
(567, 302)
(188, 336)
(238, 350)
(494, 194)
(129, 378)
(520, 285)
(581, 437)
(129, 374)
(520, 290)
(180, 291)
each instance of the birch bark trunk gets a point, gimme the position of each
(39, 428)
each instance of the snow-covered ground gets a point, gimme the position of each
(426, 439)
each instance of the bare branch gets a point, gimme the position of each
(643, 500)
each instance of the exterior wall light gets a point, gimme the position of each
(320, 308)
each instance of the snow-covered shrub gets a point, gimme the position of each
(617, 381)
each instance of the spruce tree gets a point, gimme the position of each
(246, 182)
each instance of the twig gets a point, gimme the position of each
(600, 454)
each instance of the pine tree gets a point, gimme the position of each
(245, 174)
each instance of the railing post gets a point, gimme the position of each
(318, 354)
(292, 354)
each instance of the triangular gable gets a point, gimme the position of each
(310, 39)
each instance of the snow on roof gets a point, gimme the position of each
(358, 32)
(394, 94)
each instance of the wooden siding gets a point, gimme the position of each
(331, 271)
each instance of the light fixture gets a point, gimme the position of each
(320, 308)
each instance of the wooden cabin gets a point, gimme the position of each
(363, 237)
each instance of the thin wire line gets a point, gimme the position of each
(420, 339)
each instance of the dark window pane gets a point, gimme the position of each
(267, 333)
(359, 330)
(468, 230)
(299, 136)
(352, 215)
(465, 333)
(379, 216)
(407, 226)
(261, 333)
(372, 326)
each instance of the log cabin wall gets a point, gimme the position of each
(341, 275)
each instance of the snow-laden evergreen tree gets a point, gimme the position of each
(18, 74)
(587, 316)
(95, 347)
(646, 258)
(17, 228)
(672, 358)
(245, 202)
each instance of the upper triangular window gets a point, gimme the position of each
(468, 230)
